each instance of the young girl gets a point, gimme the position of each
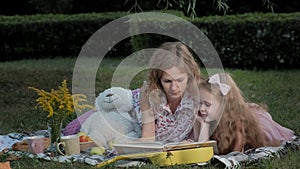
(241, 126)
(167, 100)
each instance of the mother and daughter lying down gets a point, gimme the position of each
(176, 104)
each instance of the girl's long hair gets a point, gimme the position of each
(236, 116)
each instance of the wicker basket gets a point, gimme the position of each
(87, 145)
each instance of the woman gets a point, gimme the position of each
(164, 106)
(167, 98)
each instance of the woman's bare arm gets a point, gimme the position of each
(148, 120)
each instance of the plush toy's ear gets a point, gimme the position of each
(127, 99)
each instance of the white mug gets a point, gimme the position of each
(70, 144)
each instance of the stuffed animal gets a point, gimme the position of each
(111, 121)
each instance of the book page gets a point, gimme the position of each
(143, 147)
(139, 147)
(186, 145)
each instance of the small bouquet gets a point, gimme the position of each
(60, 103)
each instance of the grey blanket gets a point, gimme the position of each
(239, 159)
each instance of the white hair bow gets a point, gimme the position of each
(215, 79)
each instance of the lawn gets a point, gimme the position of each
(277, 89)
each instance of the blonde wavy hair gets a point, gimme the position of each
(236, 116)
(171, 54)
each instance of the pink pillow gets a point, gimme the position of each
(74, 126)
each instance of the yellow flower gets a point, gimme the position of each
(60, 103)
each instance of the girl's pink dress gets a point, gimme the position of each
(273, 131)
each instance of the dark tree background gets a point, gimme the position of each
(202, 7)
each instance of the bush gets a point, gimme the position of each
(255, 41)
(248, 41)
(40, 36)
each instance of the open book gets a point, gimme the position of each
(144, 147)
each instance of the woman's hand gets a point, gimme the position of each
(146, 110)
(144, 98)
(148, 120)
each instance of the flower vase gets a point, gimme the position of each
(55, 134)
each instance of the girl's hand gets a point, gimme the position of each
(199, 117)
(204, 132)
(201, 127)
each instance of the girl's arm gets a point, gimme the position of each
(196, 130)
(201, 128)
(204, 132)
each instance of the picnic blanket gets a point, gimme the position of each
(7, 142)
(239, 159)
(231, 160)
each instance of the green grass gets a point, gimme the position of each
(278, 89)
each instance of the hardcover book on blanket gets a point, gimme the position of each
(165, 154)
(145, 147)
